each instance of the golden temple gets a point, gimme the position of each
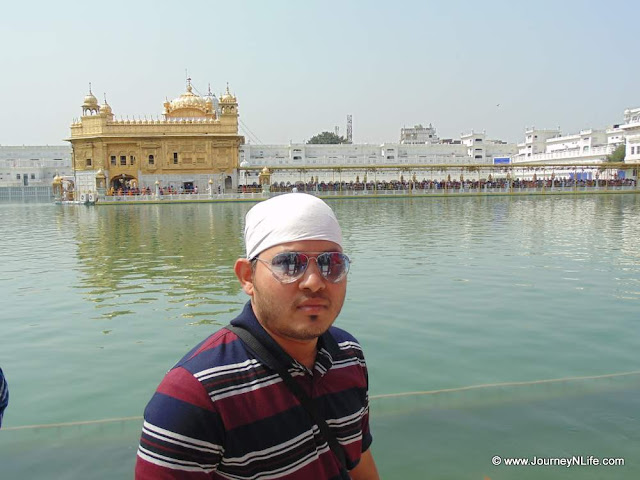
(193, 146)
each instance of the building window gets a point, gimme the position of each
(175, 158)
(132, 160)
(88, 162)
(113, 160)
(152, 160)
(478, 140)
(17, 176)
(123, 159)
(33, 176)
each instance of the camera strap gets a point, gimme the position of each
(269, 360)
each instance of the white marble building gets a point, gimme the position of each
(631, 129)
(418, 135)
(33, 165)
(474, 148)
(587, 146)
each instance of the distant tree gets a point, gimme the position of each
(617, 155)
(327, 138)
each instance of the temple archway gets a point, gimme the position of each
(123, 181)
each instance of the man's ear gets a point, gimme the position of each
(244, 272)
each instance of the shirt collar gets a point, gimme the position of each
(328, 348)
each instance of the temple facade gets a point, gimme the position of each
(192, 147)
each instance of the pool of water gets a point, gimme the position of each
(444, 294)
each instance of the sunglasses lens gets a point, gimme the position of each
(289, 265)
(333, 265)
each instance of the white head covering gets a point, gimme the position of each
(289, 218)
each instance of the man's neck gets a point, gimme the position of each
(304, 351)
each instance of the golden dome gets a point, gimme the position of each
(187, 100)
(265, 170)
(90, 105)
(90, 100)
(100, 174)
(227, 97)
(105, 108)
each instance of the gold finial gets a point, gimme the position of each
(209, 92)
(90, 89)
(105, 98)
(228, 92)
(188, 84)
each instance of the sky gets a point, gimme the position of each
(300, 67)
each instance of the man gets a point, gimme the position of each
(224, 412)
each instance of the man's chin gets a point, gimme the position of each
(316, 318)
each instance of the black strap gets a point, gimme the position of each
(268, 359)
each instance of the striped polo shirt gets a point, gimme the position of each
(221, 413)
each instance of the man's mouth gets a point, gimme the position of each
(312, 307)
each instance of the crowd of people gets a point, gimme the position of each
(135, 190)
(431, 185)
(392, 185)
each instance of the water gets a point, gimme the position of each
(444, 293)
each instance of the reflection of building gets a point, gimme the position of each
(195, 141)
(137, 254)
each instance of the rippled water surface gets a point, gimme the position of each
(444, 293)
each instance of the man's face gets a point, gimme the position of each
(302, 310)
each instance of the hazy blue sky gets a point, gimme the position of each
(299, 67)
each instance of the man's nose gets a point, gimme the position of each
(312, 278)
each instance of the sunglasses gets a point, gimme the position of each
(287, 267)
